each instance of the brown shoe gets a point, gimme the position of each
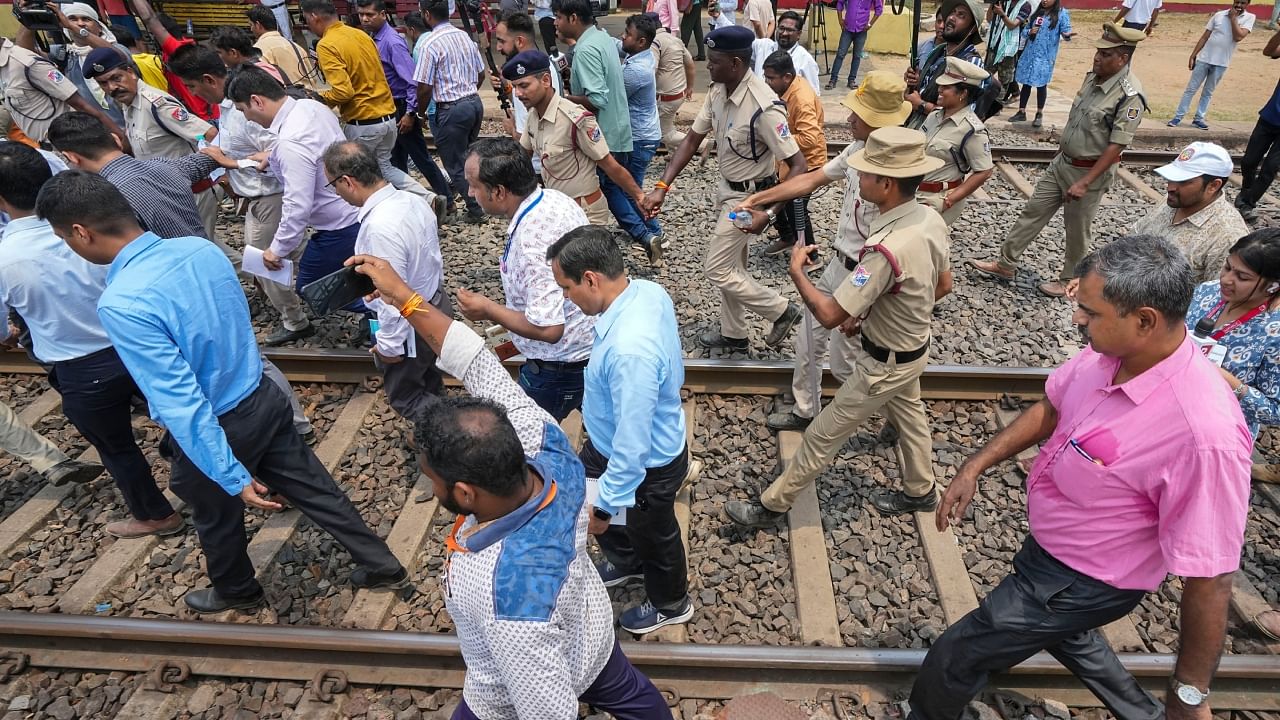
(1268, 623)
(991, 270)
(1268, 474)
(777, 247)
(1053, 289)
(126, 529)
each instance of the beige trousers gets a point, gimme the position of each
(598, 212)
(667, 121)
(1050, 194)
(831, 343)
(726, 267)
(260, 223)
(934, 200)
(17, 438)
(207, 204)
(891, 389)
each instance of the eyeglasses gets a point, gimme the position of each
(331, 182)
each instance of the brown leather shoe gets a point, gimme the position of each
(126, 529)
(991, 270)
(1268, 623)
(1268, 474)
(1053, 289)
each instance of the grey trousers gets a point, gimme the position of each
(1042, 605)
(414, 383)
(381, 138)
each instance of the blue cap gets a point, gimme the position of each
(103, 60)
(731, 39)
(525, 64)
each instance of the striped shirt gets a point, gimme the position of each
(159, 191)
(450, 63)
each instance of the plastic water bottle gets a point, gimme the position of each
(740, 220)
(191, 31)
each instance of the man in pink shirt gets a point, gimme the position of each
(1144, 472)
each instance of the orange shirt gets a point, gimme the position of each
(805, 117)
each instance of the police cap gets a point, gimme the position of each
(526, 64)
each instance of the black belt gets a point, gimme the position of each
(447, 103)
(883, 354)
(753, 185)
(555, 365)
(373, 121)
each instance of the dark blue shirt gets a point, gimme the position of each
(1271, 111)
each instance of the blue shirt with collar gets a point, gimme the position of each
(631, 405)
(179, 320)
(53, 289)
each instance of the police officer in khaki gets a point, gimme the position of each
(751, 135)
(36, 92)
(875, 104)
(565, 136)
(958, 138)
(674, 79)
(156, 124)
(1103, 120)
(888, 298)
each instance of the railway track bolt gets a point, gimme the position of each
(328, 682)
(838, 698)
(166, 675)
(12, 663)
(670, 694)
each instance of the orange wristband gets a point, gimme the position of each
(661, 185)
(413, 305)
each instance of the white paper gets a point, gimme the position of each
(253, 264)
(593, 492)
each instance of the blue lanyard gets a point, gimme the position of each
(506, 249)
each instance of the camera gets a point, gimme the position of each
(36, 15)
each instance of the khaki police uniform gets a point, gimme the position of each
(960, 137)
(1102, 114)
(748, 153)
(671, 55)
(570, 143)
(35, 91)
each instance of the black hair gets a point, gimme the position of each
(192, 62)
(124, 36)
(415, 20)
(503, 163)
(518, 23)
(1140, 271)
(908, 186)
(471, 440)
(228, 37)
(1052, 12)
(318, 7)
(792, 15)
(780, 62)
(1260, 252)
(377, 5)
(354, 160)
(437, 10)
(589, 247)
(252, 80)
(23, 170)
(569, 8)
(82, 134)
(76, 197)
(263, 16)
(645, 25)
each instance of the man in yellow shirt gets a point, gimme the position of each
(150, 68)
(805, 117)
(358, 88)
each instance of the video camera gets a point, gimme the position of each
(36, 15)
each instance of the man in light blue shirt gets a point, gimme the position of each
(55, 292)
(632, 413)
(178, 317)
(639, 74)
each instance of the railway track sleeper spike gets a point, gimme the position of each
(670, 694)
(326, 683)
(167, 674)
(13, 663)
(834, 696)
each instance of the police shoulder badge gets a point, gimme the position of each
(1132, 113)
(55, 76)
(860, 276)
(784, 132)
(180, 114)
(594, 134)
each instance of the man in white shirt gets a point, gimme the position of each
(1140, 14)
(512, 36)
(400, 228)
(758, 15)
(790, 27)
(551, 332)
(1212, 54)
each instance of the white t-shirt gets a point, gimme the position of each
(1221, 44)
(1140, 10)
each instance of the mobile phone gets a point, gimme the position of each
(336, 290)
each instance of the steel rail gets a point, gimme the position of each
(410, 659)
(702, 375)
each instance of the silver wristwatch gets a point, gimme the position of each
(1188, 695)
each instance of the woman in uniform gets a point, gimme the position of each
(958, 138)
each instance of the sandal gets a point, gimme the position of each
(831, 85)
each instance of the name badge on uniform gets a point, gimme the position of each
(860, 276)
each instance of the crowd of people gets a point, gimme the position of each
(111, 185)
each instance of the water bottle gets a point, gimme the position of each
(191, 31)
(740, 220)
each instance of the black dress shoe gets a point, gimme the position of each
(368, 580)
(752, 514)
(285, 335)
(897, 502)
(712, 340)
(208, 601)
(888, 434)
(782, 326)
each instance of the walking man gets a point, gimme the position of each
(1262, 155)
(1143, 472)
(674, 82)
(280, 50)
(512, 36)
(1211, 56)
(805, 118)
(1103, 120)
(20, 440)
(639, 71)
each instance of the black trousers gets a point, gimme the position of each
(97, 397)
(414, 383)
(691, 24)
(787, 222)
(1260, 162)
(1043, 605)
(261, 434)
(650, 541)
(413, 146)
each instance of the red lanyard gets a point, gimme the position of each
(1225, 329)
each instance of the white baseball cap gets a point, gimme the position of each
(1198, 158)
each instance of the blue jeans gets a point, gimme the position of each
(1203, 74)
(621, 205)
(555, 387)
(858, 40)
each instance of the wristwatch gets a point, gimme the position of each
(601, 514)
(1188, 695)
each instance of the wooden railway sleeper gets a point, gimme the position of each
(326, 683)
(12, 663)
(836, 696)
(166, 675)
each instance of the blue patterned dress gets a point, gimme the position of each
(1253, 356)
(1035, 67)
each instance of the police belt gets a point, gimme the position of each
(752, 185)
(557, 366)
(671, 97)
(1079, 162)
(933, 187)
(884, 354)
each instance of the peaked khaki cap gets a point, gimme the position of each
(878, 100)
(1114, 35)
(895, 152)
(962, 71)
